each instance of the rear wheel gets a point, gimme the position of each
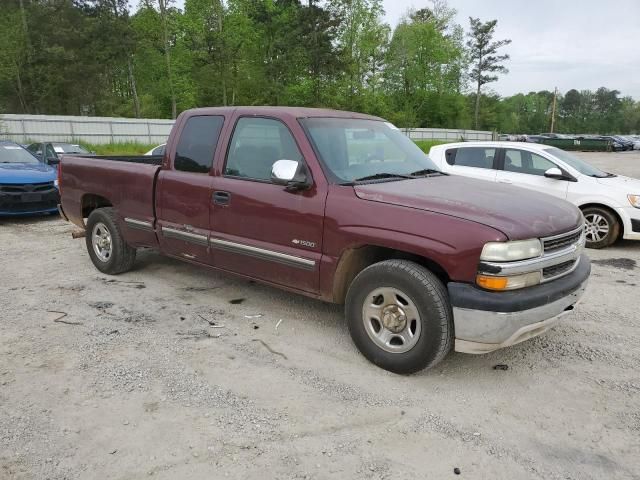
(601, 227)
(399, 316)
(108, 251)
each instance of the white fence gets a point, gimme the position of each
(26, 128)
(447, 134)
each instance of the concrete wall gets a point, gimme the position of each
(26, 128)
(445, 134)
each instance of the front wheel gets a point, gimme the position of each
(601, 227)
(108, 251)
(399, 316)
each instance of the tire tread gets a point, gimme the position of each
(124, 254)
(438, 296)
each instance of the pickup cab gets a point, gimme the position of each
(344, 208)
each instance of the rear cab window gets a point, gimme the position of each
(197, 144)
(476, 157)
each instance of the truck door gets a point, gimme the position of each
(184, 190)
(258, 228)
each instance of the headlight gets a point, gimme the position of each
(634, 200)
(511, 251)
(491, 282)
(56, 183)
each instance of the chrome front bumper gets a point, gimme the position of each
(485, 321)
(480, 331)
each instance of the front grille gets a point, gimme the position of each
(561, 241)
(26, 188)
(557, 270)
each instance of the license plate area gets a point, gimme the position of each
(31, 197)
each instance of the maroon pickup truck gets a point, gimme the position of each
(341, 207)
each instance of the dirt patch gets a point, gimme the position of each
(171, 381)
(621, 263)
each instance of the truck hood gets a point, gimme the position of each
(26, 173)
(516, 212)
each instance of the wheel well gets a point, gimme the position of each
(608, 209)
(90, 202)
(354, 260)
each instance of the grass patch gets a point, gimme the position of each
(119, 148)
(425, 145)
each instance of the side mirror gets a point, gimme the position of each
(290, 173)
(53, 161)
(556, 173)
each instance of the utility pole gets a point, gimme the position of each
(553, 109)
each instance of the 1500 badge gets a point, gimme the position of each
(304, 243)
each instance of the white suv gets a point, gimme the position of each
(610, 203)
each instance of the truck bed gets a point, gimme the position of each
(126, 183)
(144, 159)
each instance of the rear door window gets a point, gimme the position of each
(197, 143)
(476, 157)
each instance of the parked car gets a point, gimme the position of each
(635, 142)
(49, 152)
(341, 207)
(27, 186)
(555, 135)
(617, 144)
(535, 138)
(159, 150)
(610, 203)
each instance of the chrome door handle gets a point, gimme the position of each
(221, 198)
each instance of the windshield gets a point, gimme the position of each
(15, 154)
(573, 161)
(355, 149)
(68, 148)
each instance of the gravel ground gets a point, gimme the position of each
(173, 371)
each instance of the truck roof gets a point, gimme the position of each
(295, 112)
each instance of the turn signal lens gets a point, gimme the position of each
(490, 282)
(634, 200)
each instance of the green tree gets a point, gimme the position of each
(423, 71)
(483, 53)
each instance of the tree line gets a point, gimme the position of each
(100, 57)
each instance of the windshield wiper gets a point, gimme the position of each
(426, 171)
(380, 176)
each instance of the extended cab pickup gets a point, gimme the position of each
(344, 208)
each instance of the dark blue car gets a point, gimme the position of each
(27, 186)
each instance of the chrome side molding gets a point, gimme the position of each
(139, 224)
(186, 236)
(264, 254)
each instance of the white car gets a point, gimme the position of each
(610, 203)
(159, 150)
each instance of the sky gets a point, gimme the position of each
(581, 44)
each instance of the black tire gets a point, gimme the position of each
(611, 221)
(122, 256)
(429, 296)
